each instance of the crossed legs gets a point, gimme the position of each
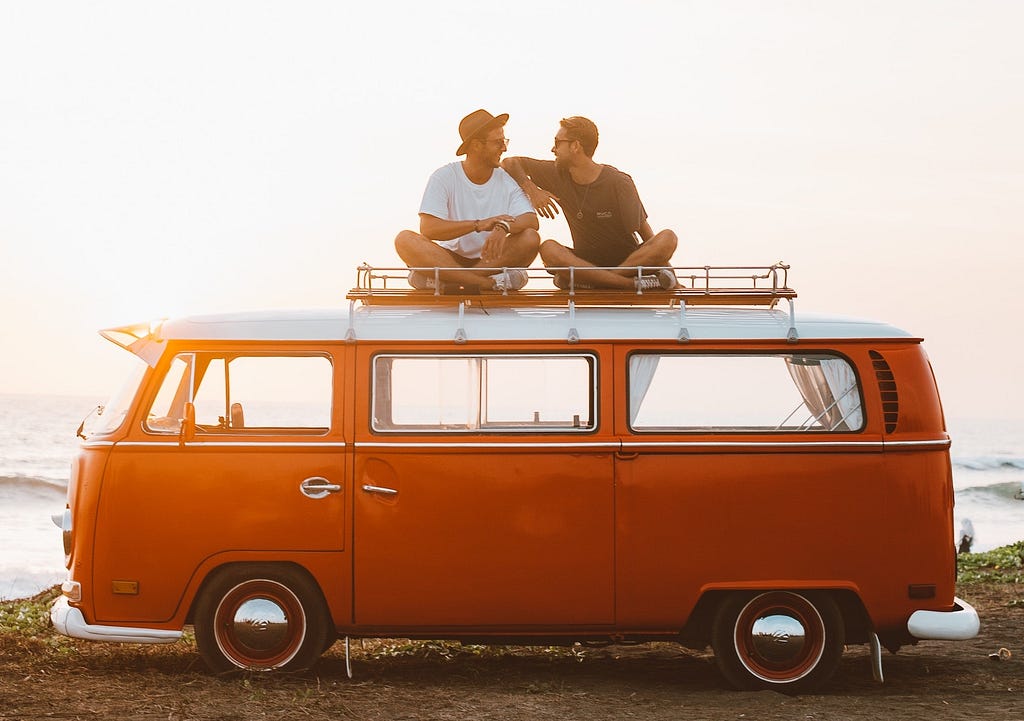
(656, 252)
(418, 251)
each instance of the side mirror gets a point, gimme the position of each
(188, 425)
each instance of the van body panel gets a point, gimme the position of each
(87, 470)
(176, 507)
(484, 538)
(167, 507)
(722, 516)
(485, 530)
(611, 525)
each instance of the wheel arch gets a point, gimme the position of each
(229, 566)
(697, 630)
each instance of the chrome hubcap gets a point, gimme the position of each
(260, 624)
(778, 639)
(779, 636)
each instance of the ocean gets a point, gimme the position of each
(37, 441)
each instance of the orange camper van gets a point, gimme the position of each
(701, 465)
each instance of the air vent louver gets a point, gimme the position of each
(887, 386)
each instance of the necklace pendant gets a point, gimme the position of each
(579, 214)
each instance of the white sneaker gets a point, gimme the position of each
(664, 279)
(667, 278)
(510, 279)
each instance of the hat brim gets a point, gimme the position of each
(496, 122)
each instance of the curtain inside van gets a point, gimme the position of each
(829, 389)
(641, 372)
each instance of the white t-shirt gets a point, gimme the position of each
(450, 195)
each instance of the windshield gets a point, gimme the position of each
(108, 418)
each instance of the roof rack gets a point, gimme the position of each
(761, 285)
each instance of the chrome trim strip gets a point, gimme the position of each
(627, 445)
(747, 444)
(943, 443)
(229, 444)
(512, 444)
(788, 444)
(452, 444)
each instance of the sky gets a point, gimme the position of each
(159, 159)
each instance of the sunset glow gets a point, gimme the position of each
(162, 159)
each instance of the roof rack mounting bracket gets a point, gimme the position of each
(574, 335)
(350, 334)
(792, 336)
(460, 333)
(684, 333)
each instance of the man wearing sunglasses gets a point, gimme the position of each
(474, 219)
(604, 213)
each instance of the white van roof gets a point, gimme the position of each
(480, 323)
(709, 303)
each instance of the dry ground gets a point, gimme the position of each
(46, 677)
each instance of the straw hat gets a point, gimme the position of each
(476, 123)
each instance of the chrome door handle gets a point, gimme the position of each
(318, 487)
(380, 489)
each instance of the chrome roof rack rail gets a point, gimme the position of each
(755, 285)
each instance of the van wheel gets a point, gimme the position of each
(261, 618)
(780, 640)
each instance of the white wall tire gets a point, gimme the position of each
(261, 618)
(781, 640)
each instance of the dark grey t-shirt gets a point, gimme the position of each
(610, 206)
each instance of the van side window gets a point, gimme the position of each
(757, 393)
(518, 393)
(251, 394)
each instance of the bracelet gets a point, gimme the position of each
(503, 224)
(476, 226)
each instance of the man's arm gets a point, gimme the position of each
(442, 229)
(542, 200)
(436, 228)
(524, 221)
(645, 231)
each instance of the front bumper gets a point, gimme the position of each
(959, 624)
(69, 621)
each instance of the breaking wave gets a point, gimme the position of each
(16, 485)
(988, 463)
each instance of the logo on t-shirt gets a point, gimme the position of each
(604, 214)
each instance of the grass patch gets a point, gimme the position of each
(28, 617)
(1000, 565)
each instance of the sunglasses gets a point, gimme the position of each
(502, 141)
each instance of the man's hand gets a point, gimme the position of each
(493, 247)
(489, 224)
(543, 202)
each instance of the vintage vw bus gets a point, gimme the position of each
(697, 465)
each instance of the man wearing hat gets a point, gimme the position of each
(610, 233)
(473, 216)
